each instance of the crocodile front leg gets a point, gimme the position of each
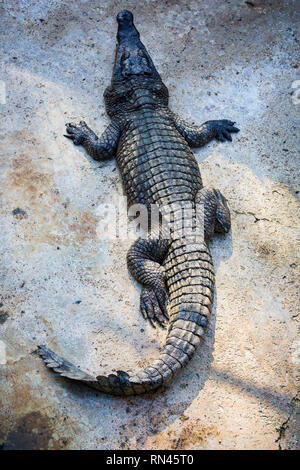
(197, 136)
(101, 148)
(144, 260)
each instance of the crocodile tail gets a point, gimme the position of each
(112, 384)
(190, 280)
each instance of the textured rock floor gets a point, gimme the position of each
(64, 285)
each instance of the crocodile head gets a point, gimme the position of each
(135, 81)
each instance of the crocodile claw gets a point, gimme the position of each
(153, 306)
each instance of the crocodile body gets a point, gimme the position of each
(152, 149)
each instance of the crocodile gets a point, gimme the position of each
(151, 145)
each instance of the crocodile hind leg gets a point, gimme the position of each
(212, 211)
(223, 222)
(144, 260)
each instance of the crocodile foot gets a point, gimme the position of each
(222, 129)
(77, 132)
(153, 306)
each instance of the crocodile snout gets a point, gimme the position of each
(127, 31)
(132, 57)
(125, 17)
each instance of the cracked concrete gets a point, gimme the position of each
(292, 421)
(65, 286)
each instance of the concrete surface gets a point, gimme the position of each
(227, 59)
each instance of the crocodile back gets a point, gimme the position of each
(155, 162)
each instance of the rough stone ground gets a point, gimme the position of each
(229, 59)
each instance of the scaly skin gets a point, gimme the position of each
(151, 145)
